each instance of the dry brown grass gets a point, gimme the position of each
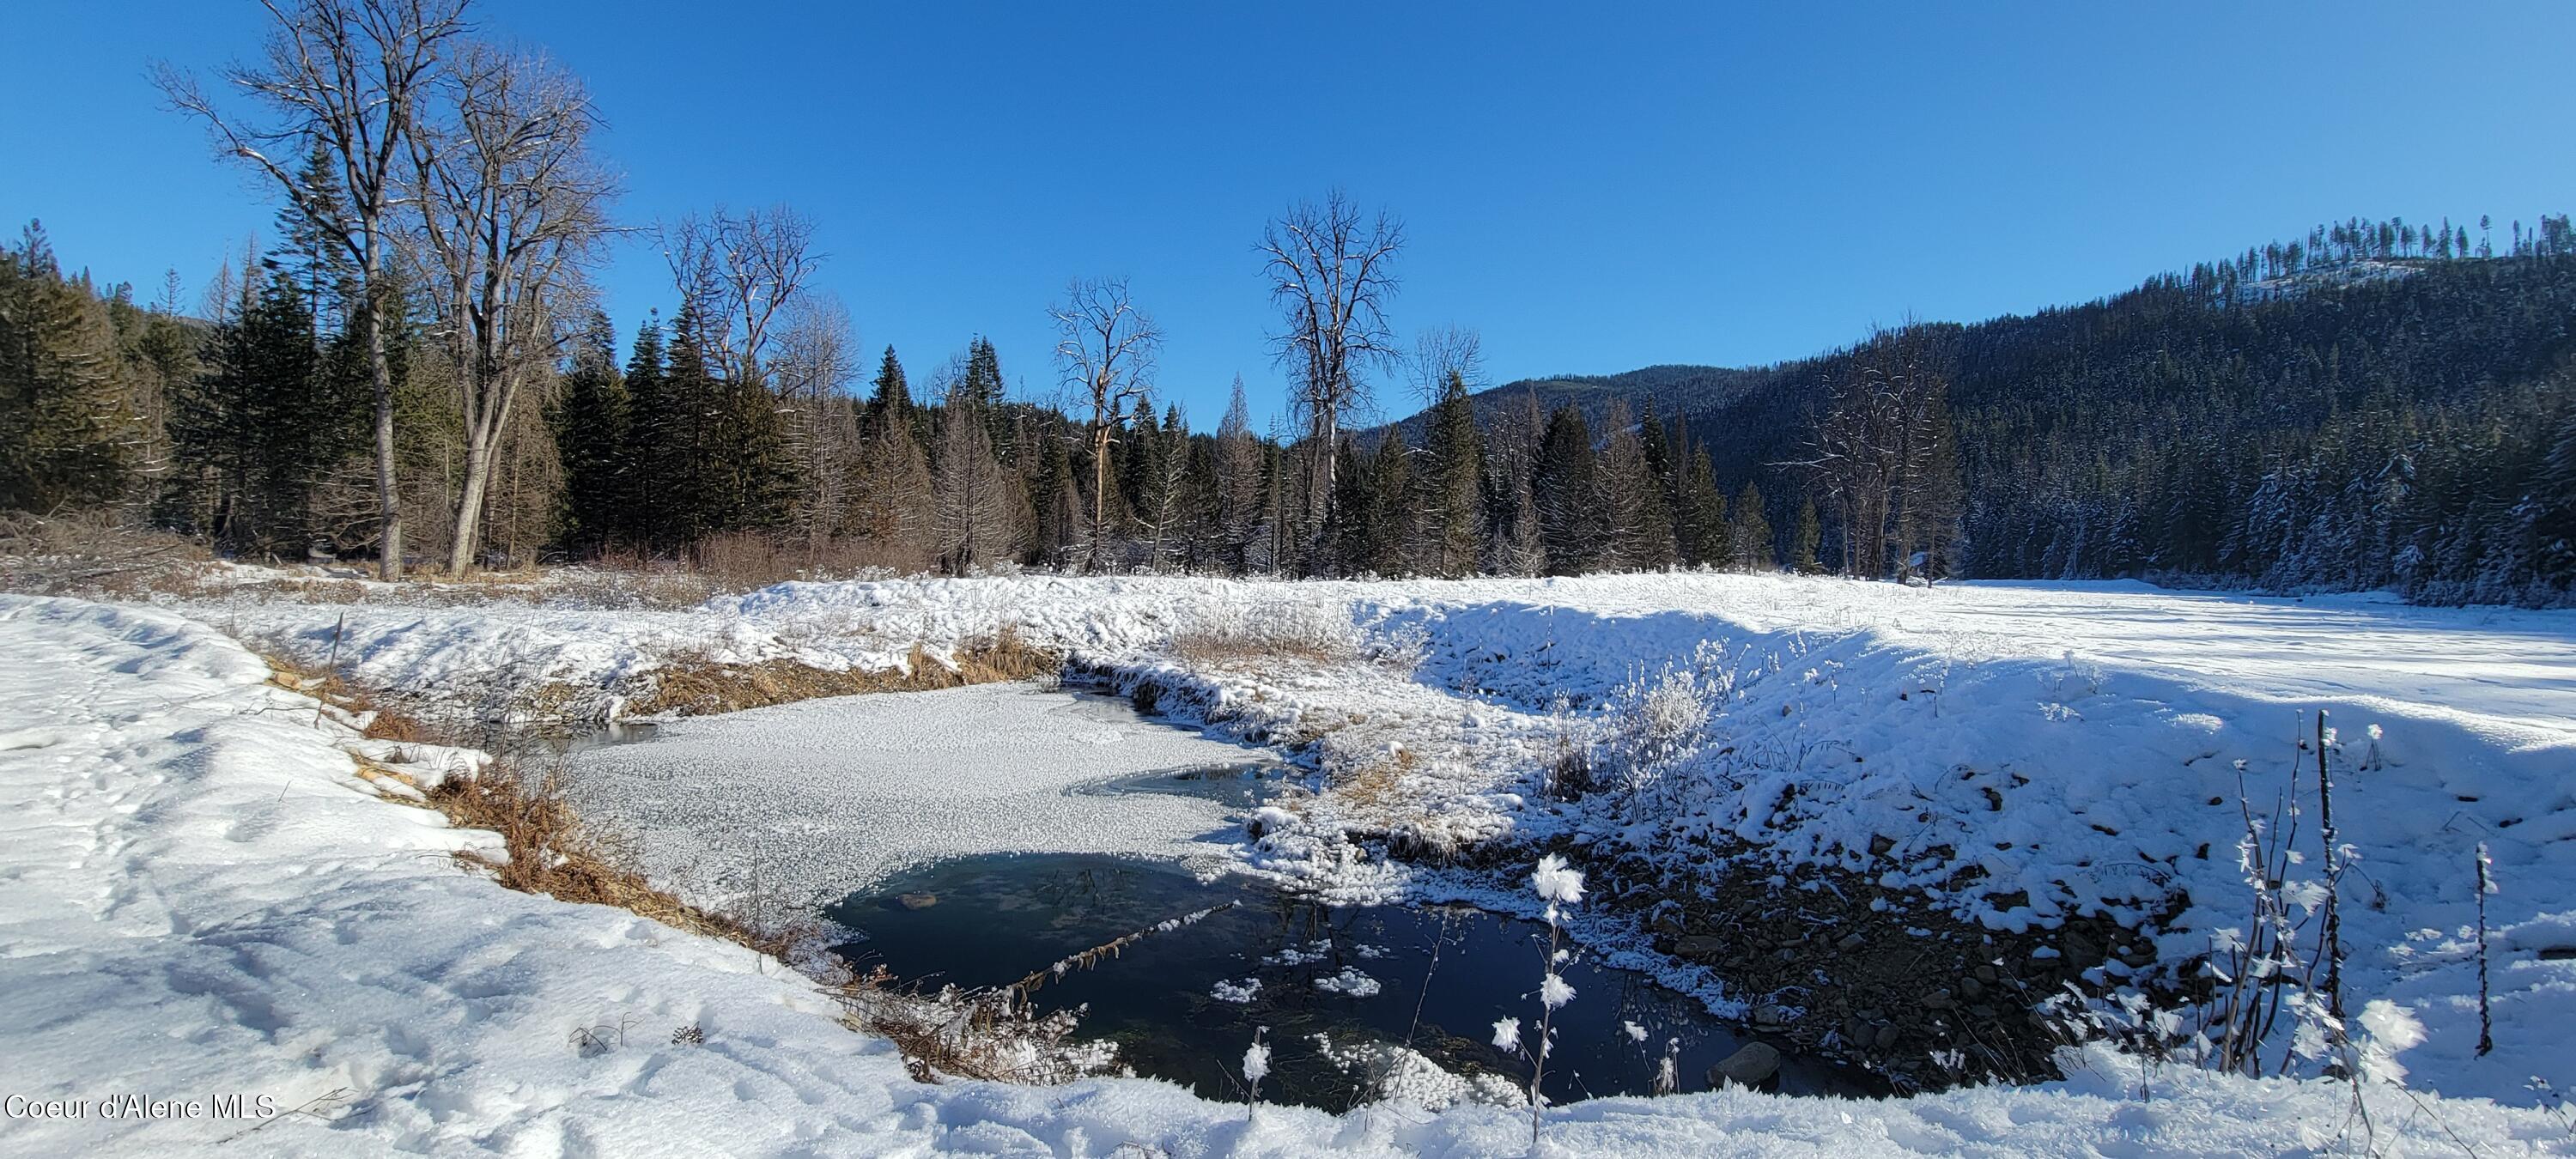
(384, 720)
(1256, 644)
(550, 850)
(741, 561)
(1374, 787)
(699, 687)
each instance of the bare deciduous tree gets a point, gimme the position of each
(347, 74)
(973, 503)
(1880, 453)
(510, 206)
(817, 362)
(1331, 275)
(742, 272)
(1441, 351)
(1106, 347)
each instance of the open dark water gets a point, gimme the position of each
(1367, 971)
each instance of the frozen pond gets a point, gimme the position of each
(974, 835)
(805, 802)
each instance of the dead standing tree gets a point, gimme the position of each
(1880, 453)
(1331, 276)
(1107, 349)
(511, 207)
(347, 74)
(817, 362)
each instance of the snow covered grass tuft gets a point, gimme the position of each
(1655, 723)
(1261, 633)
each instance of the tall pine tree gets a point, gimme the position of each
(1568, 495)
(592, 433)
(1453, 482)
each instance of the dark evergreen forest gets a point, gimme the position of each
(2347, 413)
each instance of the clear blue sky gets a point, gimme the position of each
(1596, 188)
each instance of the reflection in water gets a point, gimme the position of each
(1181, 1005)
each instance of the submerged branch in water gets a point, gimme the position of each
(1109, 949)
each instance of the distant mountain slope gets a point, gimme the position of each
(2386, 422)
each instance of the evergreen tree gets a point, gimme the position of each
(892, 402)
(654, 421)
(685, 457)
(1389, 529)
(318, 269)
(1750, 534)
(754, 483)
(65, 424)
(1802, 544)
(984, 391)
(266, 425)
(1637, 521)
(592, 440)
(1511, 505)
(1238, 478)
(1058, 507)
(1347, 534)
(1453, 482)
(1567, 494)
(1138, 460)
(1700, 529)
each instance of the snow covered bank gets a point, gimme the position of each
(203, 899)
(2015, 752)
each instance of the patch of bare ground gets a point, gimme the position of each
(1833, 965)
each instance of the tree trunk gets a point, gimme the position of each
(469, 504)
(1099, 497)
(389, 559)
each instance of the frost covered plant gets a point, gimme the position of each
(2552, 1101)
(2138, 1029)
(1668, 1069)
(1560, 886)
(1566, 766)
(1657, 722)
(2281, 973)
(1256, 1067)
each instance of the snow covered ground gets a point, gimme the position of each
(827, 797)
(2064, 740)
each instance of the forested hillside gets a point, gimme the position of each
(2371, 407)
(2378, 406)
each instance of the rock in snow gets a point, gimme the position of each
(1751, 1065)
